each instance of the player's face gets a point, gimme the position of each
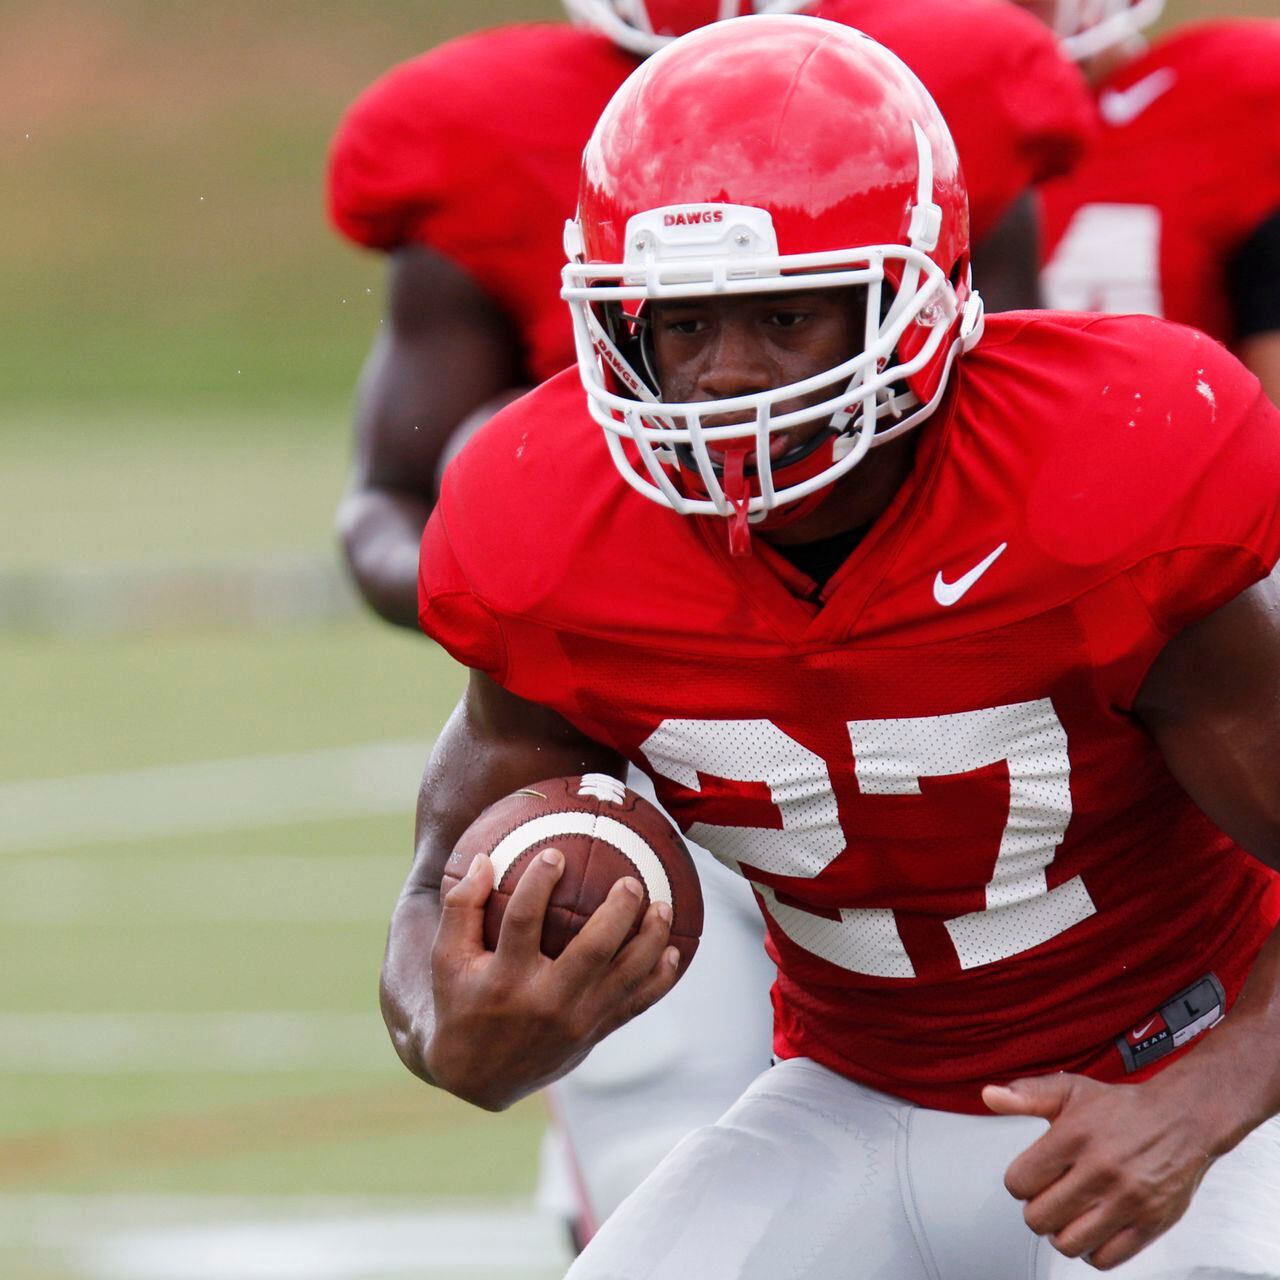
(715, 348)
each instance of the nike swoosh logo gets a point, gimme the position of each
(1139, 1032)
(947, 593)
(1124, 106)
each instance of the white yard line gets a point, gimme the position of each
(439, 1244)
(263, 888)
(133, 598)
(210, 795)
(214, 1043)
(192, 1238)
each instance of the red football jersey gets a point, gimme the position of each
(1186, 167)
(971, 858)
(1019, 110)
(473, 149)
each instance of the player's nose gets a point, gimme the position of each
(734, 364)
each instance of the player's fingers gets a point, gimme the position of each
(461, 929)
(1040, 1166)
(1120, 1248)
(592, 950)
(1031, 1096)
(637, 958)
(1051, 1155)
(1092, 1232)
(1074, 1194)
(520, 936)
(655, 984)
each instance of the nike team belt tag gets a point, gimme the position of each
(1183, 1018)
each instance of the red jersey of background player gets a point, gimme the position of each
(1018, 110)
(1185, 169)
(973, 862)
(474, 148)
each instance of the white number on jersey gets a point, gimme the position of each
(1107, 260)
(890, 758)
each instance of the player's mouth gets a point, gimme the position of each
(798, 440)
(779, 446)
(781, 443)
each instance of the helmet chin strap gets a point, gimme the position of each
(738, 492)
(737, 489)
(781, 517)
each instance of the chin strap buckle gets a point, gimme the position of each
(738, 493)
(972, 322)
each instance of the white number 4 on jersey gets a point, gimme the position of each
(1107, 260)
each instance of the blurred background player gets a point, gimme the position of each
(1176, 210)
(1018, 111)
(462, 165)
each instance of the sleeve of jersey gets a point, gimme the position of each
(1029, 118)
(450, 612)
(1220, 529)
(389, 160)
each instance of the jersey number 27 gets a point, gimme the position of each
(889, 758)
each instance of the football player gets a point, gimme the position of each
(469, 196)
(1176, 211)
(962, 646)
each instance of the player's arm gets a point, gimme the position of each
(491, 1027)
(1254, 288)
(1006, 264)
(1120, 1163)
(445, 359)
(1261, 354)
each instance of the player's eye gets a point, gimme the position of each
(686, 324)
(787, 319)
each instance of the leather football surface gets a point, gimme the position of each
(605, 831)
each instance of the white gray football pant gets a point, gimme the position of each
(675, 1068)
(810, 1176)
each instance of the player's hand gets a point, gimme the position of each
(1117, 1168)
(511, 1020)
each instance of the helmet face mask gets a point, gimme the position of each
(864, 400)
(867, 200)
(643, 27)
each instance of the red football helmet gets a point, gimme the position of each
(644, 26)
(1086, 27)
(756, 156)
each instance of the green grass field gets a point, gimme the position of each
(192, 1012)
(206, 810)
(165, 240)
(188, 1028)
(139, 968)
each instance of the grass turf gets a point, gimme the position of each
(288, 918)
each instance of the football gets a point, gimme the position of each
(605, 832)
